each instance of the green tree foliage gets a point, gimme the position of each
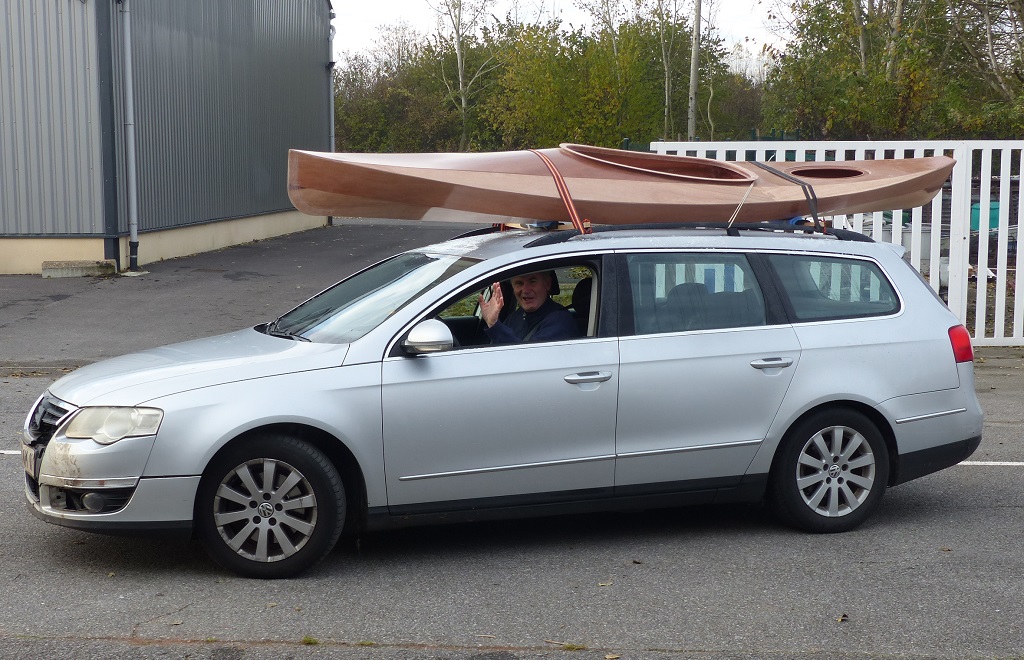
(533, 85)
(379, 108)
(885, 70)
(855, 69)
(569, 87)
(735, 101)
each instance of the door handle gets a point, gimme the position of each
(588, 377)
(772, 363)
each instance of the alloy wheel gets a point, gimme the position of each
(265, 510)
(835, 471)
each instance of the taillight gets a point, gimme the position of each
(961, 342)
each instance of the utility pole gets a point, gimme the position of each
(691, 112)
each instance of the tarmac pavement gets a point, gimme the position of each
(50, 324)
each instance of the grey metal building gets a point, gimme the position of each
(166, 122)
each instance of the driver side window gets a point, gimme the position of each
(572, 288)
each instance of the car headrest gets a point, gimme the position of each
(554, 289)
(581, 295)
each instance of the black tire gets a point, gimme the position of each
(270, 507)
(831, 472)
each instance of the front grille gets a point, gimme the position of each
(46, 417)
(33, 487)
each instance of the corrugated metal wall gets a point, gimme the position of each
(223, 88)
(50, 127)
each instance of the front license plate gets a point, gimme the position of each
(28, 460)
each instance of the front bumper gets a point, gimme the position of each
(79, 483)
(154, 505)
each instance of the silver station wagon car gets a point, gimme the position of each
(705, 365)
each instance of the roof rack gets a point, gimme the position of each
(554, 236)
(560, 236)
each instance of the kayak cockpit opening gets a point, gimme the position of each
(684, 167)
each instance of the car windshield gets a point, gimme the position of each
(351, 308)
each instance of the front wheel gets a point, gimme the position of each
(831, 472)
(270, 507)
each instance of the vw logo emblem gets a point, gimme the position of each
(266, 510)
(833, 471)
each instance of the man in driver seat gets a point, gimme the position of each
(538, 317)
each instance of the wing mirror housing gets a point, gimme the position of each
(430, 336)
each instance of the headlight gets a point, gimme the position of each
(108, 425)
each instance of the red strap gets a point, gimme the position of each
(581, 225)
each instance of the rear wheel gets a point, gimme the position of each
(831, 472)
(270, 507)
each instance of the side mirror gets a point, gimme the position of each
(430, 336)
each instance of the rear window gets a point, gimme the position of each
(823, 288)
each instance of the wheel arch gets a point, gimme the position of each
(341, 457)
(873, 415)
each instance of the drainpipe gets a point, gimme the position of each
(330, 74)
(129, 139)
(330, 86)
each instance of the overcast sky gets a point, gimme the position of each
(357, 20)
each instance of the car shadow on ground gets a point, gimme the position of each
(543, 533)
(728, 528)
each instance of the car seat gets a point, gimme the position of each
(686, 308)
(581, 295)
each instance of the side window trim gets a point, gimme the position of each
(610, 278)
(777, 310)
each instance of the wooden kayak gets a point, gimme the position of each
(608, 186)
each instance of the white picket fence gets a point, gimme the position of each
(964, 242)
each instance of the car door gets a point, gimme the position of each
(500, 425)
(704, 369)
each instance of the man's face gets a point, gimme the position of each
(531, 290)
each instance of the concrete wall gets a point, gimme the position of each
(19, 256)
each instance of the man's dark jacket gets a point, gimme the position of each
(551, 322)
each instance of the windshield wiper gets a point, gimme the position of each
(274, 332)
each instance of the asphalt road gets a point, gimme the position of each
(937, 572)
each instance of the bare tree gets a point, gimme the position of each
(609, 15)
(666, 15)
(992, 32)
(691, 112)
(459, 21)
(396, 46)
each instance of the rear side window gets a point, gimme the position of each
(821, 288)
(680, 292)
